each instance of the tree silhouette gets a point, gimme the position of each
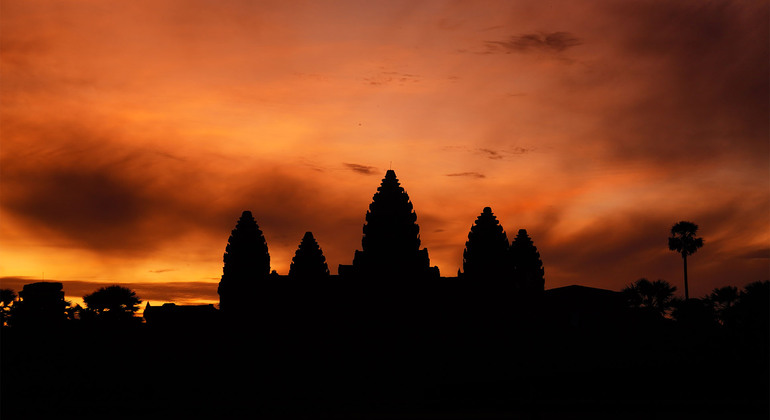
(684, 241)
(723, 300)
(485, 254)
(73, 312)
(657, 295)
(694, 313)
(309, 262)
(527, 265)
(752, 310)
(246, 260)
(7, 296)
(113, 302)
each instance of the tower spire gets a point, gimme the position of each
(246, 261)
(485, 255)
(391, 240)
(309, 262)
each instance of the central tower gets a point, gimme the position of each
(391, 241)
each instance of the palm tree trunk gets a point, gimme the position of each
(686, 290)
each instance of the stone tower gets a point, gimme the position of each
(246, 262)
(309, 262)
(486, 252)
(529, 275)
(391, 241)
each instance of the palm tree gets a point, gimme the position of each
(655, 295)
(683, 241)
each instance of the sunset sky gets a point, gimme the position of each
(133, 134)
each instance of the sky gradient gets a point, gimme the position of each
(133, 134)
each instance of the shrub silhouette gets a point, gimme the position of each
(752, 311)
(7, 296)
(723, 301)
(695, 314)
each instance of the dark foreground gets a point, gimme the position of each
(139, 372)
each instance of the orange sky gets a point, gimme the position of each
(135, 133)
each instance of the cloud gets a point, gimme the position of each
(502, 154)
(389, 77)
(88, 187)
(468, 174)
(362, 169)
(760, 254)
(698, 83)
(491, 154)
(519, 150)
(95, 203)
(543, 41)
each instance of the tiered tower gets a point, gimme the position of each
(309, 262)
(485, 255)
(247, 262)
(529, 275)
(391, 242)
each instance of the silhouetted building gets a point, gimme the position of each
(486, 252)
(309, 262)
(391, 277)
(528, 272)
(391, 242)
(246, 262)
(173, 315)
(583, 307)
(40, 304)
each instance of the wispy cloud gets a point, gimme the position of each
(502, 154)
(388, 77)
(468, 174)
(543, 41)
(361, 169)
(757, 254)
(491, 154)
(494, 154)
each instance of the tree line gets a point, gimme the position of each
(726, 306)
(43, 304)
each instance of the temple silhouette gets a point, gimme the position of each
(387, 337)
(390, 269)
